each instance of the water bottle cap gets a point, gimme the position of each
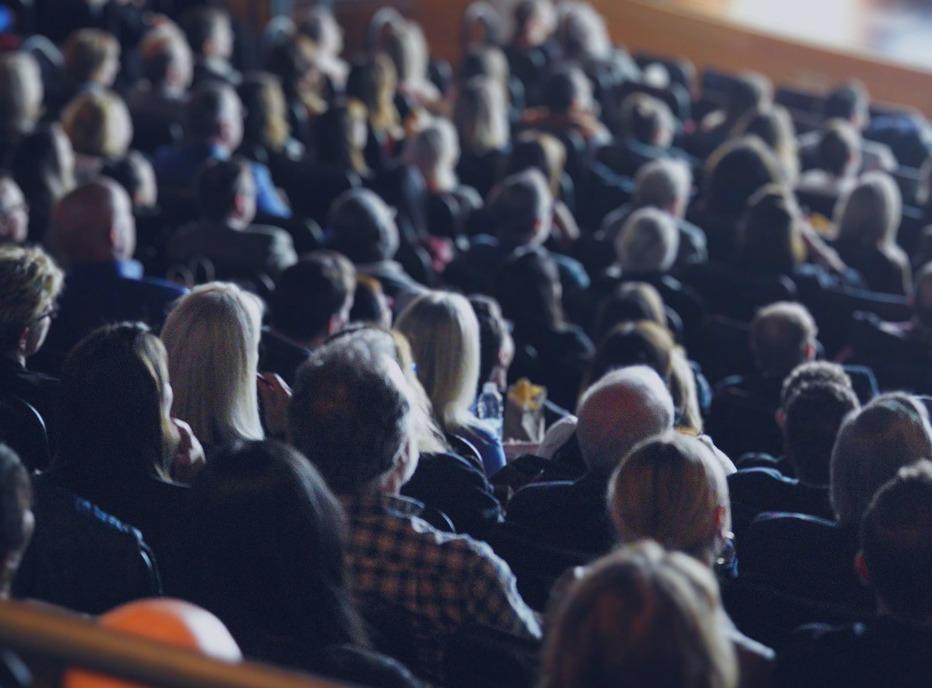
(490, 387)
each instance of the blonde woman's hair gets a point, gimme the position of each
(444, 335)
(869, 214)
(648, 242)
(672, 489)
(481, 116)
(212, 338)
(98, 123)
(641, 616)
(435, 150)
(22, 92)
(30, 281)
(86, 52)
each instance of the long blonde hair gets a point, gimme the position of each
(870, 214)
(444, 335)
(212, 338)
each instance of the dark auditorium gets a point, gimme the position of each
(465, 344)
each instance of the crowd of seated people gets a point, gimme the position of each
(256, 289)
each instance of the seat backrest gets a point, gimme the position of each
(834, 309)
(735, 293)
(23, 430)
(897, 362)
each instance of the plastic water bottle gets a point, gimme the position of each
(489, 407)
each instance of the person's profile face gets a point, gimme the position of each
(14, 213)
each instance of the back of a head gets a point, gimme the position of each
(630, 302)
(646, 119)
(818, 372)
(812, 419)
(91, 55)
(641, 617)
(30, 281)
(617, 412)
(839, 145)
(210, 106)
(264, 520)
(896, 542)
(672, 489)
(363, 227)
(481, 116)
(21, 93)
(494, 333)
(166, 56)
(167, 621)
(769, 238)
(647, 243)
(634, 343)
(349, 415)
(534, 150)
(94, 223)
(783, 335)
(444, 335)
(212, 338)
(219, 184)
(869, 215)
(203, 25)
(748, 91)
(434, 151)
(889, 433)
(520, 208)
(311, 293)
(735, 171)
(565, 89)
(16, 519)
(112, 418)
(98, 124)
(848, 102)
(662, 184)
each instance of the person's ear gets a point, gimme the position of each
(336, 323)
(24, 338)
(809, 351)
(239, 204)
(720, 517)
(780, 417)
(861, 569)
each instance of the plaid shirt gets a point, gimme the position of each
(447, 580)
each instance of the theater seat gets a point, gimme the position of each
(23, 430)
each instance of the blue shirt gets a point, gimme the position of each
(178, 165)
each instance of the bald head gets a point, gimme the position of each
(94, 224)
(173, 622)
(622, 409)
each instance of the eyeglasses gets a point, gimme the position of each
(51, 313)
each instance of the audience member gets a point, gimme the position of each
(364, 230)
(214, 116)
(895, 554)
(94, 235)
(43, 166)
(351, 417)
(782, 336)
(311, 302)
(480, 115)
(617, 412)
(30, 283)
(772, 125)
(212, 338)
(18, 518)
(91, 62)
(157, 102)
(22, 95)
(746, 92)
(672, 489)
(838, 157)
(266, 524)
(226, 236)
(496, 345)
(643, 616)
(100, 129)
(444, 334)
(209, 31)
(867, 220)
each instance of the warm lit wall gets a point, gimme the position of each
(659, 27)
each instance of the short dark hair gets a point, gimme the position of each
(205, 109)
(846, 101)
(15, 501)
(562, 89)
(310, 292)
(838, 143)
(896, 539)
(348, 416)
(517, 205)
(746, 92)
(362, 227)
(200, 24)
(127, 171)
(218, 185)
(812, 372)
(734, 172)
(493, 331)
(813, 416)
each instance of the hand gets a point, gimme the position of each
(275, 395)
(189, 456)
